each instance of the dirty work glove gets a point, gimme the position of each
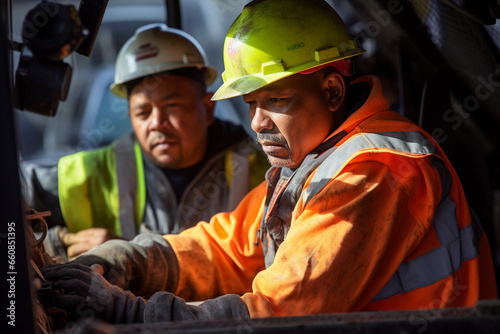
(144, 265)
(82, 290)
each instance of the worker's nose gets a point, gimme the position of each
(260, 120)
(159, 120)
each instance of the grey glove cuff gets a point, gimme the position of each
(164, 306)
(145, 265)
(53, 243)
(125, 308)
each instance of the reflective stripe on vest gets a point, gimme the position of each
(89, 184)
(457, 245)
(245, 168)
(131, 185)
(236, 163)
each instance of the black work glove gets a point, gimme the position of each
(85, 292)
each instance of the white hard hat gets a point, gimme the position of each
(154, 49)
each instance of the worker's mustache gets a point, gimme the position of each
(272, 137)
(158, 136)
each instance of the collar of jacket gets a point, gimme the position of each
(375, 102)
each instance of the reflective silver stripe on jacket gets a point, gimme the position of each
(434, 265)
(126, 174)
(407, 142)
(457, 245)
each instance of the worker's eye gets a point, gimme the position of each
(275, 100)
(171, 106)
(141, 113)
(278, 101)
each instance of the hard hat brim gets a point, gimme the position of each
(249, 83)
(120, 88)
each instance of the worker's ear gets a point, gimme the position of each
(209, 107)
(334, 85)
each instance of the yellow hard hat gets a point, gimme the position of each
(273, 39)
(154, 49)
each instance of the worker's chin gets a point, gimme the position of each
(277, 161)
(166, 161)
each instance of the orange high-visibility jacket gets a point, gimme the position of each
(381, 223)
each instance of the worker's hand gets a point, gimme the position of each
(84, 240)
(80, 288)
(83, 292)
(109, 261)
(144, 265)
